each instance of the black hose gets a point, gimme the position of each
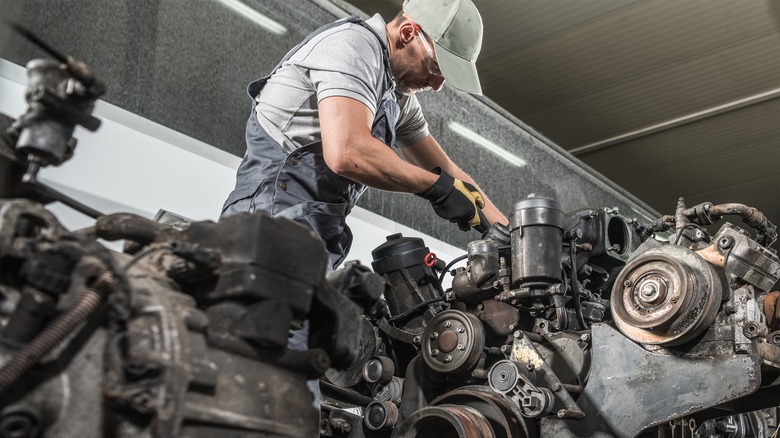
(575, 292)
(415, 309)
(53, 334)
(344, 394)
(447, 268)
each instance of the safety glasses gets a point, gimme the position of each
(430, 60)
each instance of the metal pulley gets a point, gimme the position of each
(666, 296)
(453, 342)
(506, 379)
(468, 412)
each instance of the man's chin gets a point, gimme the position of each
(408, 91)
(404, 91)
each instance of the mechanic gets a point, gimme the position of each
(323, 119)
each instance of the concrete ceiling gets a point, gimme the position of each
(667, 98)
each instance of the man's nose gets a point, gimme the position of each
(436, 82)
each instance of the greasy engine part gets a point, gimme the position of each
(406, 264)
(771, 307)
(61, 95)
(550, 394)
(537, 232)
(185, 336)
(666, 295)
(507, 379)
(695, 341)
(469, 412)
(165, 359)
(630, 388)
(453, 342)
(478, 281)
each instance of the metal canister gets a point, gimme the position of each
(536, 231)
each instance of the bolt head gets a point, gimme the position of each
(448, 358)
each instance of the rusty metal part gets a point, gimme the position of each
(381, 415)
(476, 281)
(453, 342)
(504, 416)
(498, 316)
(771, 309)
(747, 260)
(666, 296)
(707, 213)
(446, 420)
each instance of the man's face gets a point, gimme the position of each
(415, 67)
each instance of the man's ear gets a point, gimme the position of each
(406, 32)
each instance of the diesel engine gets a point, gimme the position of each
(580, 324)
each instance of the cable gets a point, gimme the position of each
(691, 225)
(415, 309)
(449, 265)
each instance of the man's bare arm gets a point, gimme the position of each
(427, 154)
(350, 150)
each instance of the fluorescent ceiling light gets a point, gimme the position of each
(252, 15)
(487, 144)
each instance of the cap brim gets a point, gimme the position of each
(459, 72)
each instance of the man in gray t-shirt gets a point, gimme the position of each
(325, 116)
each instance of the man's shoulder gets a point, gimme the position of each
(349, 43)
(353, 33)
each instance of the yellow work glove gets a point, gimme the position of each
(456, 201)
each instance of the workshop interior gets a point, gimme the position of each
(633, 146)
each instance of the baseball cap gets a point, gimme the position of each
(456, 29)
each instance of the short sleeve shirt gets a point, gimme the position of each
(343, 61)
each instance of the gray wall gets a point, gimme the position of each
(185, 64)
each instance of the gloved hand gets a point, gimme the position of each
(456, 201)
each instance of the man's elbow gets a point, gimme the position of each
(341, 162)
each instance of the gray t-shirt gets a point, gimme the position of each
(343, 61)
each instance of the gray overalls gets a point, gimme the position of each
(299, 185)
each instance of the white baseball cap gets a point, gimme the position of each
(456, 29)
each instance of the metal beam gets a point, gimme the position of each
(679, 121)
